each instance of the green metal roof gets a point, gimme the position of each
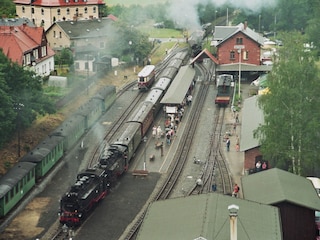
(206, 216)
(274, 186)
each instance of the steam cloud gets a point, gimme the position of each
(184, 13)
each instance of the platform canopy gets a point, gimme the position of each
(180, 86)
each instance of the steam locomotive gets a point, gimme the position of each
(115, 156)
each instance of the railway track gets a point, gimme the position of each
(58, 231)
(179, 160)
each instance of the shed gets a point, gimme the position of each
(293, 195)
(58, 81)
(179, 86)
(206, 216)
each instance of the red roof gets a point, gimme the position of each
(206, 52)
(15, 41)
(55, 3)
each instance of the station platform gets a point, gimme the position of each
(234, 157)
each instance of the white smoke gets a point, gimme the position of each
(184, 12)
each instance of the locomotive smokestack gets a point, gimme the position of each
(245, 25)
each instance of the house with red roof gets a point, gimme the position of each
(28, 47)
(45, 12)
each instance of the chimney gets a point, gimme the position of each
(245, 25)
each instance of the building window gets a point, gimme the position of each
(85, 10)
(239, 41)
(60, 34)
(23, 9)
(42, 23)
(54, 34)
(43, 51)
(232, 55)
(94, 9)
(77, 12)
(35, 53)
(32, 10)
(68, 11)
(28, 59)
(245, 55)
(58, 11)
(42, 11)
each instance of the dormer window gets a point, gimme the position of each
(67, 1)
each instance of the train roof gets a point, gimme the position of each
(83, 186)
(142, 111)
(104, 92)
(129, 130)
(42, 149)
(14, 175)
(224, 80)
(169, 72)
(179, 86)
(146, 71)
(67, 127)
(153, 96)
(162, 84)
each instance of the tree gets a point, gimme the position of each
(22, 88)
(289, 136)
(7, 8)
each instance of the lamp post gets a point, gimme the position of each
(145, 153)
(259, 22)
(130, 44)
(239, 48)
(18, 107)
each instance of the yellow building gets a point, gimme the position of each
(45, 12)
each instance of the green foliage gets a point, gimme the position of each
(289, 135)
(21, 98)
(7, 8)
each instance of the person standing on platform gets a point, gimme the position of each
(228, 144)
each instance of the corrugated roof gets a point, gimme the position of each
(275, 186)
(180, 85)
(252, 117)
(207, 216)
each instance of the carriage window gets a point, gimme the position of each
(11, 193)
(17, 189)
(6, 198)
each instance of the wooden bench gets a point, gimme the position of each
(142, 173)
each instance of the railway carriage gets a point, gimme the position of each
(45, 155)
(71, 130)
(107, 95)
(146, 77)
(15, 184)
